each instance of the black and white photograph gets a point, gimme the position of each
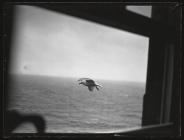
(110, 69)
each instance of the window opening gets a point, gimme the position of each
(51, 51)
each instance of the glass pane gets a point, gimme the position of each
(52, 51)
(142, 10)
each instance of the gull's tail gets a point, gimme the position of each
(99, 85)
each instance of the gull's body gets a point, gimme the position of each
(91, 84)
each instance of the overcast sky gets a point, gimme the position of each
(49, 43)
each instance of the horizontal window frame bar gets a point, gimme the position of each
(114, 16)
(162, 130)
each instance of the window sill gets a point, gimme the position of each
(160, 130)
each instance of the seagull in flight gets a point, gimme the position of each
(91, 84)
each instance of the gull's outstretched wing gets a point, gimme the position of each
(91, 82)
(91, 88)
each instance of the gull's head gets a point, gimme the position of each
(81, 83)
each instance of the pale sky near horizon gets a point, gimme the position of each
(49, 43)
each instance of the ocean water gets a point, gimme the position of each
(69, 107)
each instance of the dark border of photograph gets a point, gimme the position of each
(161, 112)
